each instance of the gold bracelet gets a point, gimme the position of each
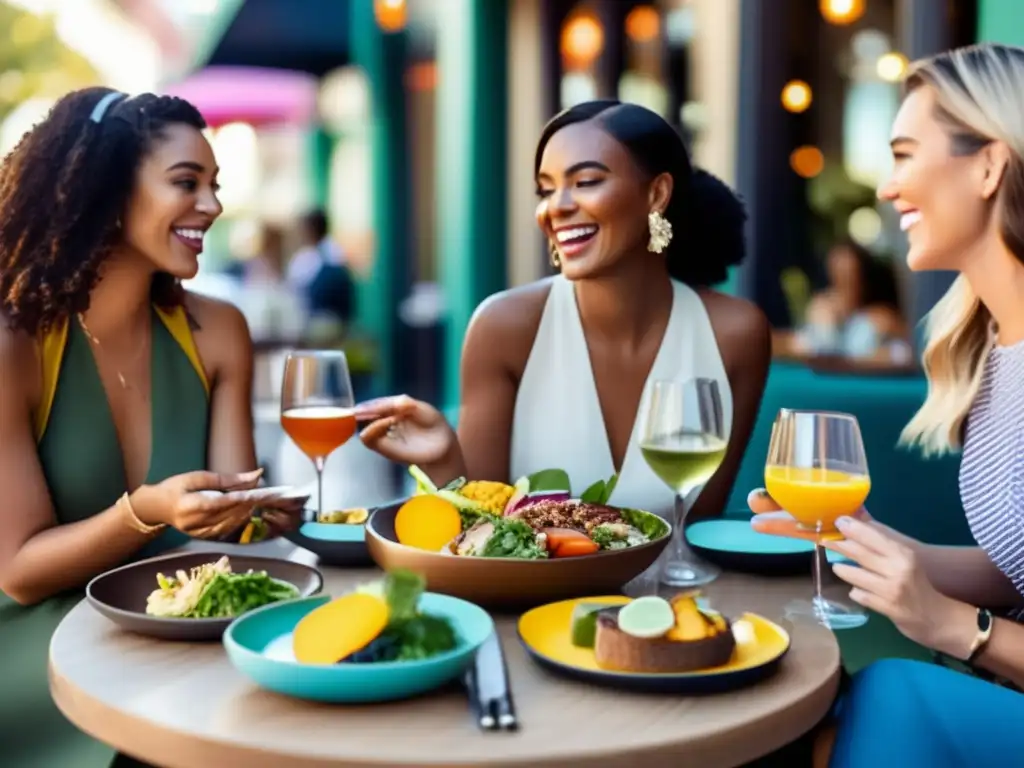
(125, 503)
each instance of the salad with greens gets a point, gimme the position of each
(214, 591)
(536, 518)
(409, 633)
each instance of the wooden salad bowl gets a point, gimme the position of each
(510, 583)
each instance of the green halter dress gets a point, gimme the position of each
(82, 462)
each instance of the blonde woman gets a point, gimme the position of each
(958, 185)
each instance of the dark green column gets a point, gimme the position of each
(382, 57)
(472, 50)
(320, 146)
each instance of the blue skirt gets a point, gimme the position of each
(909, 713)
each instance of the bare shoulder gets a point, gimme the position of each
(215, 315)
(221, 333)
(741, 329)
(513, 310)
(505, 324)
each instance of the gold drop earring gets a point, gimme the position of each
(661, 232)
(553, 254)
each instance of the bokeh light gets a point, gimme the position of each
(865, 226)
(582, 40)
(796, 96)
(390, 14)
(807, 161)
(643, 24)
(891, 66)
(841, 12)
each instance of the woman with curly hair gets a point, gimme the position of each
(554, 373)
(121, 395)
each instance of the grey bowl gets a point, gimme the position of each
(120, 594)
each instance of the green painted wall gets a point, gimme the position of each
(471, 156)
(1001, 21)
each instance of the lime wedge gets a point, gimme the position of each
(584, 623)
(647, 617)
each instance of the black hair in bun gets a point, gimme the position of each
(707, 217)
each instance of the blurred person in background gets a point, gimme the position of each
(958, 185)
(554, 373)
(274, 309)
(319, 271)
(122, 396)
(857, 316)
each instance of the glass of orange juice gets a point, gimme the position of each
(817, 471)
(317, 407)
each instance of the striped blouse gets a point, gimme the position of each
(992, 467)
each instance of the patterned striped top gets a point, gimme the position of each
(992, 467)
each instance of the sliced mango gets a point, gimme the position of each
(339, 628)
(691, 624)
(427, 522)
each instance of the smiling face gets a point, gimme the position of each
(174, 202)
(594, 200)
(941, 186)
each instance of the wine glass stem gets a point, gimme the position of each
(819, 557)
(679, 522)
(319, 462)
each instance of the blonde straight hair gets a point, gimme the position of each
(979, 93)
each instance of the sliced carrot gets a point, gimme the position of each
(558, 536)
(338, 629)
(576, 547)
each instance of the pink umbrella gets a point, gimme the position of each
(250, 94)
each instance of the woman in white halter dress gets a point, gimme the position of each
(554, 373)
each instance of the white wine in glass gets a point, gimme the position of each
(317, 407)
(683, 440)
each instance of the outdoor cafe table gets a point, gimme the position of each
(182, 705)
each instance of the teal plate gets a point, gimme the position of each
(735, 546)
(340, 545)
(259, 645)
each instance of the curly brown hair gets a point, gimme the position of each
(63, 190)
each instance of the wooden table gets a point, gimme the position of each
(182, 705)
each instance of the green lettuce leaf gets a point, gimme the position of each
(650, 525)
(550, 480)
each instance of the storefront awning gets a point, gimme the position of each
(307, 35)
(250, 94)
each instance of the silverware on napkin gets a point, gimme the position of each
(487, 685)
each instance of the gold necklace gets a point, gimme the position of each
(94, 340)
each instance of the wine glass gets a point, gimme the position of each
(817, 471)
(683, 440)
(317, 407)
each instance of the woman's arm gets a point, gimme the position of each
(39, 558)
(1003, 654)
(744, 341)
(966, 574)
(225, 347)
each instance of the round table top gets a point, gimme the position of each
(183, 705)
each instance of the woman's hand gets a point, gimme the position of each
(890, 580)
(184, 502)
(407, 431)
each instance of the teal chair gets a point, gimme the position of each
(916, 496)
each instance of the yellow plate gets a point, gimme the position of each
(546, 634)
